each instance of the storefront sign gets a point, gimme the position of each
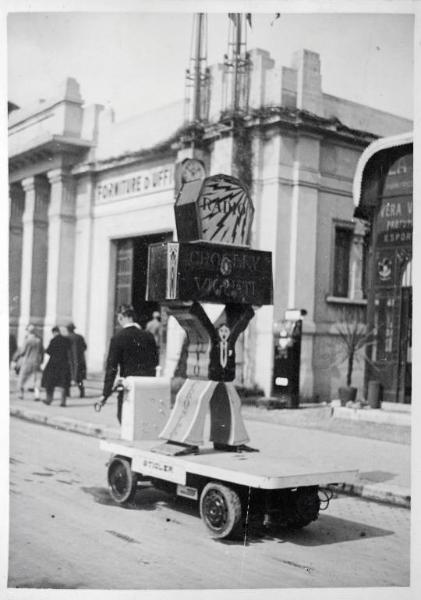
(399, 179)
(209, 272)
(134, 184)
(394, 222)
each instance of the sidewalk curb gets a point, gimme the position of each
(374, 492)
(397, 496)
(66, 424)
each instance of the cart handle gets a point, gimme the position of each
(119, 387)
(99, 405)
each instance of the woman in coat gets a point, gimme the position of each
(57, 371)
(30, 359)
(78, 363)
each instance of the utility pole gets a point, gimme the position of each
(197, 75)
(237, 65)
(237, 55)
(197, 69)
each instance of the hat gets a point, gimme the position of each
(71, 326)
(30, 328)
(156, 314)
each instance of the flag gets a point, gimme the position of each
(277, 16)
(248, 18)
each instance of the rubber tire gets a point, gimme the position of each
(304, 510)
(122, 482)
(220, 510)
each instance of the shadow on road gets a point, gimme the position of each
(147, 498)
(326, 530)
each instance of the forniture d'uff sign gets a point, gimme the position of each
(136, 183)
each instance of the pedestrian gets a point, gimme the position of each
(28, 361)
(154, 326)
(13, 346)
(57, 370)
(77, 360)
(132, 352)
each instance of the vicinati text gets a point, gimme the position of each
(230, 288)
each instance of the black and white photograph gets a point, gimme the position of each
(208, 291)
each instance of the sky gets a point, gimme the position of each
(136, 61)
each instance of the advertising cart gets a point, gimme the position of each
(232, 482)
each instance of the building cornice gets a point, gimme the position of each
(295, 122)
(123, 161)
(46, 146)
(168, 147)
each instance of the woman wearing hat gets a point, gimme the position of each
(30, 359)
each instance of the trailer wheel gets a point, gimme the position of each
(122, 482)
(220, 509)
(304, 506)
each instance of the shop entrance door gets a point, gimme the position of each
(131, 267)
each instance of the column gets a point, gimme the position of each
(61, 245)
(34, 254)
(16, 207)
(265, 237)
(356, 263)
(84, 234)
(306, 262)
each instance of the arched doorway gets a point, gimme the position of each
(384, 198)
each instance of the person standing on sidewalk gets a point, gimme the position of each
(77, 361)
(132, 352)
(57, 370)
(30, 359)
(154, 326)
(12, 348)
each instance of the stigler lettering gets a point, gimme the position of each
(156, 466)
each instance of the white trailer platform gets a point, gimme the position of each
(228, 485)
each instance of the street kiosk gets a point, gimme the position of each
(232, 481)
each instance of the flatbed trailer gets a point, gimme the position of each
(231, 488)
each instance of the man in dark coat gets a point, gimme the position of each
(77, 363)
(57, 371)
(132, 352)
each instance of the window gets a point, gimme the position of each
(343, 241)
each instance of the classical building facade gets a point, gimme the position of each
(89, 193)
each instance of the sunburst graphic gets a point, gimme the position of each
(226, 211)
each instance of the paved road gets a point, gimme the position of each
(65, 532)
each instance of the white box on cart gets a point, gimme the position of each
(146, 407)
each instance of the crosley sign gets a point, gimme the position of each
(133, 184)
